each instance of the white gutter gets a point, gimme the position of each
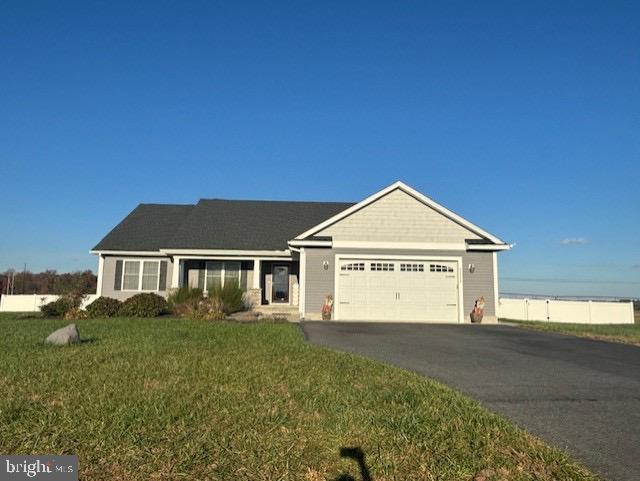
(489, 247)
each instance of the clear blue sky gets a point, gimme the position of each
(523, 118)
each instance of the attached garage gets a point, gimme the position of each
(397, 256)
(398, 289)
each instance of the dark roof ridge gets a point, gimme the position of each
(166, 204)
(277, 201)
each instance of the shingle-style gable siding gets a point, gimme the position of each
(398, 217)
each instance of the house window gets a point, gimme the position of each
(141, 276)
(214, 275)
(220, 273)
(150, 275)
(440, 268)
(231, 273)
(131, 276)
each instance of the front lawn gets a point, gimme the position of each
(171, 399)
(627, 333)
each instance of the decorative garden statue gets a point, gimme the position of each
(478, 310)
(327, 307)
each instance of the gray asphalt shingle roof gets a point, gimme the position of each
(218, 224)
(147, 228)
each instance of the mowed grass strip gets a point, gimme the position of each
(190, 400)
(626, 333)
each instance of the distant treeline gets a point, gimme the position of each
(48, 282)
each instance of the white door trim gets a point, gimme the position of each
(340, 257)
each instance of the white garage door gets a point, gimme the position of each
(397, 290)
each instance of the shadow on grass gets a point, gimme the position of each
(358, 456)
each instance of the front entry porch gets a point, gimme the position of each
(266, 281)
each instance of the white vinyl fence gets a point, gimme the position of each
(32, 302)
(579, 312)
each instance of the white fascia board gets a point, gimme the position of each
(207, 257)
(415, 194)
(316, 243)
(227, 252)
(489, 247)
(129, 253)
(445, 246)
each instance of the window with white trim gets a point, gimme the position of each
(131, 276)
(382, 266)
(353, 266)
(440, 268)
(150, 276)
(141, 275)
(220, 273)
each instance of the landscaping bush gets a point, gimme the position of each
(231, 297)
(182, 299)
(104, 307)
(143, 305)
(75, 313)
(209, 309)
(59, 307)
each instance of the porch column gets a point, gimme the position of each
(176, 273)
(256, 273)
(100, 275)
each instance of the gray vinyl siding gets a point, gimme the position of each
(319, 282)
(109, 275)
(479, 283)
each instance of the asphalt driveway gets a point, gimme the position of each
(577, 394)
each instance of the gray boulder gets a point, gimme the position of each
(64, 336)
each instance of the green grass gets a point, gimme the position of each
(171, 399)
(627, 333)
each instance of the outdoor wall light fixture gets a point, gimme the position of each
(472, 268)
(325, 265)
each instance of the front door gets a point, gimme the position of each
(280, 284)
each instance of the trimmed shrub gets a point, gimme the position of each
(143, 305)
(183, 298)
(57, 308)
(75, 314)
(230, 296)
(104, 307)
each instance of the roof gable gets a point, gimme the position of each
(399, 209)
